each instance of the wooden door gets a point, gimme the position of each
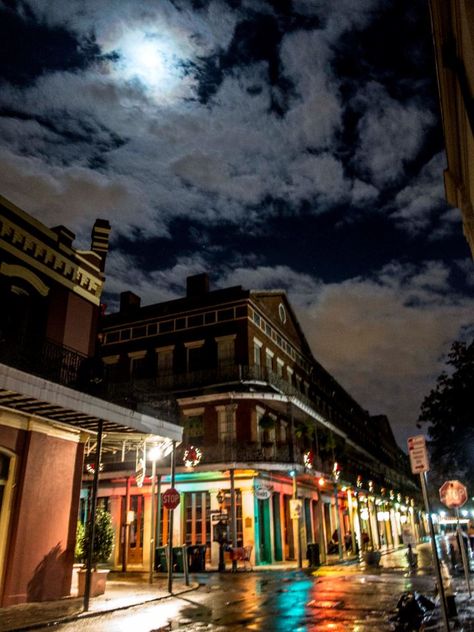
(135, 530)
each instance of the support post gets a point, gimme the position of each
(465, 562)
(93, 509)
(170, 524)
(296, 528)
(338, 522)
(435, 552)
(152, 525)
(233, 510)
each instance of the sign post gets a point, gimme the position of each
(453, 494)
(419, 465)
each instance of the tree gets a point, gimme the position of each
(449, 411)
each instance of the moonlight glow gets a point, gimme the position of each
(149, 58)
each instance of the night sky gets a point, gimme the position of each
(293, 144)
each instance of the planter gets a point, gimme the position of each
(372, 558)
(98, 581)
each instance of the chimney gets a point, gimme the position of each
(100, 239)
(129, 301)
(197, 285)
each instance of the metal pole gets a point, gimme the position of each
(463, 552)
(91, 525)
(296, 528)
(351, 520)
(158, 511)
(338, 522)
(233, 516)
(125, 527)
(170, 524)
(152, 525)
(435, 552)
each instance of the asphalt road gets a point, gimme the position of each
(344, 598)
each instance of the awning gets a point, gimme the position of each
(59, 404)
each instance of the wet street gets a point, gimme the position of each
(337, 598)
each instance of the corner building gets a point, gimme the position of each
(268, 421)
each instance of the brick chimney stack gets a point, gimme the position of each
(100, 240)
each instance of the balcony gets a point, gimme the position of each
(247, 452)
(48, 360)
(227, 376)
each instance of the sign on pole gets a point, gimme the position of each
(418, 454)
(170, 498)
(453, 494)
(296, 507)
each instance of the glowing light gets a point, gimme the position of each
(321, 482)
(155, 453)
(152, 60)
(364, 514)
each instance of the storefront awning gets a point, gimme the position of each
(55, 403)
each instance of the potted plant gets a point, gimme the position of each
(101, 551)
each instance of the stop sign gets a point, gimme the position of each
(170, 498)
(453, 494)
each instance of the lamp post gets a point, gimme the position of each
(154, 454)
(336, 473)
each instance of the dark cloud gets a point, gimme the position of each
(274, 143)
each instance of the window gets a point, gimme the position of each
(194, 429)
(139, 332)
(257, 352)
(195, 321)
(167, 326)
(152, 329)
(225, 351)
(197, 516)
(238, 512)
(113, 336)
(164, 360)
(282, 313)
(226, 422)
(269, 359)
(194, 355)
(280, 364)
(290, 374)
(137, 364)
(225, 314)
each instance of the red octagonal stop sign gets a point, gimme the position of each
(453, 494)
(170, 498)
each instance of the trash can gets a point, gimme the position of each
(197, 557)
(178, 561)
(312, 553)
(161, 564)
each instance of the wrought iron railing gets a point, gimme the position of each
(45, 359)
(226, 375)
(247, 452)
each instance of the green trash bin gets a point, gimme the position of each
(178, 559)
(161, 563)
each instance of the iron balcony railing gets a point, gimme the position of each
(224, 375)
(247, 452)
(45, 359)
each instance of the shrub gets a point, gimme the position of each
(103, 539)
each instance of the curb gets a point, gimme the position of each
(98, 613)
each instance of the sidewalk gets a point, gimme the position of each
(123, 591)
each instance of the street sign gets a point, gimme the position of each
(418, 454)
(296, 507)
(262, 493)
(453, 494)
(170, 498)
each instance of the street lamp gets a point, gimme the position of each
(154, 454)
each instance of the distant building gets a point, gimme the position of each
(50, 301)
(453, 37)
(267, 419)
